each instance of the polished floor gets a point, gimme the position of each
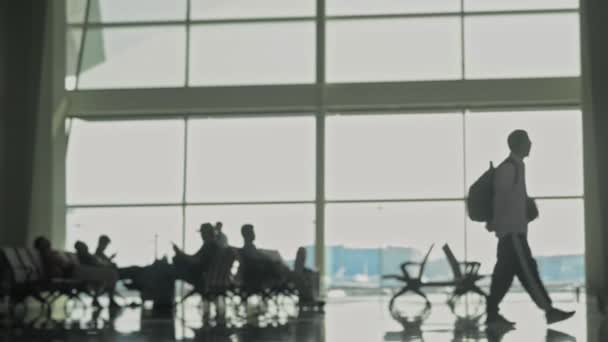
(362, 319)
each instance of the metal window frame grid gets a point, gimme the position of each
(320, 100)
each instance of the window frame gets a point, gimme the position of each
(321, 98)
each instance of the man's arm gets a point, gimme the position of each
(195, 258)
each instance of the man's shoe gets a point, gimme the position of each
(496, 333)
(498, 320)
(554, 335)
(554, 315)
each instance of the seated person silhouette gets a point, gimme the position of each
(84, 256)
(260, 271)
(305, 280)
(222, 239)
(249, 248)
(57, 266)
(99, 266)
(192, 268)
(100, 252)
(54, 265)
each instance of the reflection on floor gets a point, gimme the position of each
(348, 319)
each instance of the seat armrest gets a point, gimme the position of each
(410, 263)
(411, 267)
(471, 267)
(395, 277)
(65, 281)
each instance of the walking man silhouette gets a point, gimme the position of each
(512, 211)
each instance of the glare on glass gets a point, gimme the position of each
(501, 5)
(75, 11)
(557, 237)
(394, 156)
(110, 162)
(555, 164)
(251, 159)
(394, 49)
(142, 57)
(247, 54)
(108, 11)
(72, 45)
(365, 240)
(138, 235)
(521, 46)
(366, 7)
(280, 227)
(233, 9)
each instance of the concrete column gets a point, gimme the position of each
(23, 45)
(47, 213)
(595, 133)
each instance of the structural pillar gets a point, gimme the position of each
(595, 141)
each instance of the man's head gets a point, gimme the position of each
(248, 233)
(42, 244)
(207, 231)
(81, 247)
(519, 143)
(103, 242)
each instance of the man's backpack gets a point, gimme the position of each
(481, 194)
(480, 201)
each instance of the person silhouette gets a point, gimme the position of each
(191, 267)
(259, 269)
(248, 234)
(512, 211)
(104, 270)
(54, 265)
(222, 239)
(100, 252)
(84, 256)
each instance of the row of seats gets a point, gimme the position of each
(227, 278)
(22, 276)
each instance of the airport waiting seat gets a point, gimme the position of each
(411, 284)
(24, 277)
(220, 281)
(467, 300)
